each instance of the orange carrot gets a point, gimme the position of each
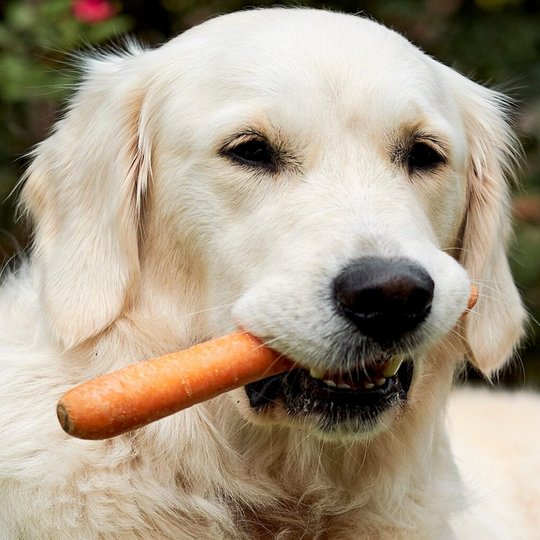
(141, 393)
(473, 298)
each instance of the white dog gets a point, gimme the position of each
(313, 178)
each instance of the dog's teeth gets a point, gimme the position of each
(328, 382)
(316, 373)
(392, 367)
(379, 382)
(344, 385)
(368, 386)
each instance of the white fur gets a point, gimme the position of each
(148, 239)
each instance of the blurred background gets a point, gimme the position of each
(493, 41)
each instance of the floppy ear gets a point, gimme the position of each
(495, 326)
(84, 191)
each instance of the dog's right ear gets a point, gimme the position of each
(495, 326)
(84, 191)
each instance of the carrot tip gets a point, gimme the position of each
(473, 298)
(63, 418)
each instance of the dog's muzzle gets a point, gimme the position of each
(382, 303)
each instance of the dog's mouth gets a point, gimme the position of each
(344, 401)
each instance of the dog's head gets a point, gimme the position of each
(310, 177)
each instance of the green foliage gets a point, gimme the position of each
(35, 39)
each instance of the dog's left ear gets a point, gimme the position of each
(495, 326)
(84, 190)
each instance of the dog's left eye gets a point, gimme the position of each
(253, 152)
(423, 156)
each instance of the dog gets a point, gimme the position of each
(312, 178)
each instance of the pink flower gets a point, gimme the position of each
(93, 11)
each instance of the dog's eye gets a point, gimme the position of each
(422, 157)
(253, 152)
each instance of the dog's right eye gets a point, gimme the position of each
(253, 152)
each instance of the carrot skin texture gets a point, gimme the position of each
(147, 391)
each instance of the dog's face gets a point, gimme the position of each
(328, 182)
(332, 188)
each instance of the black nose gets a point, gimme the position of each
(384, 298)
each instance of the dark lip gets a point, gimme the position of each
(299, 394)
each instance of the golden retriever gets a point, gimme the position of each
(311, 177)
